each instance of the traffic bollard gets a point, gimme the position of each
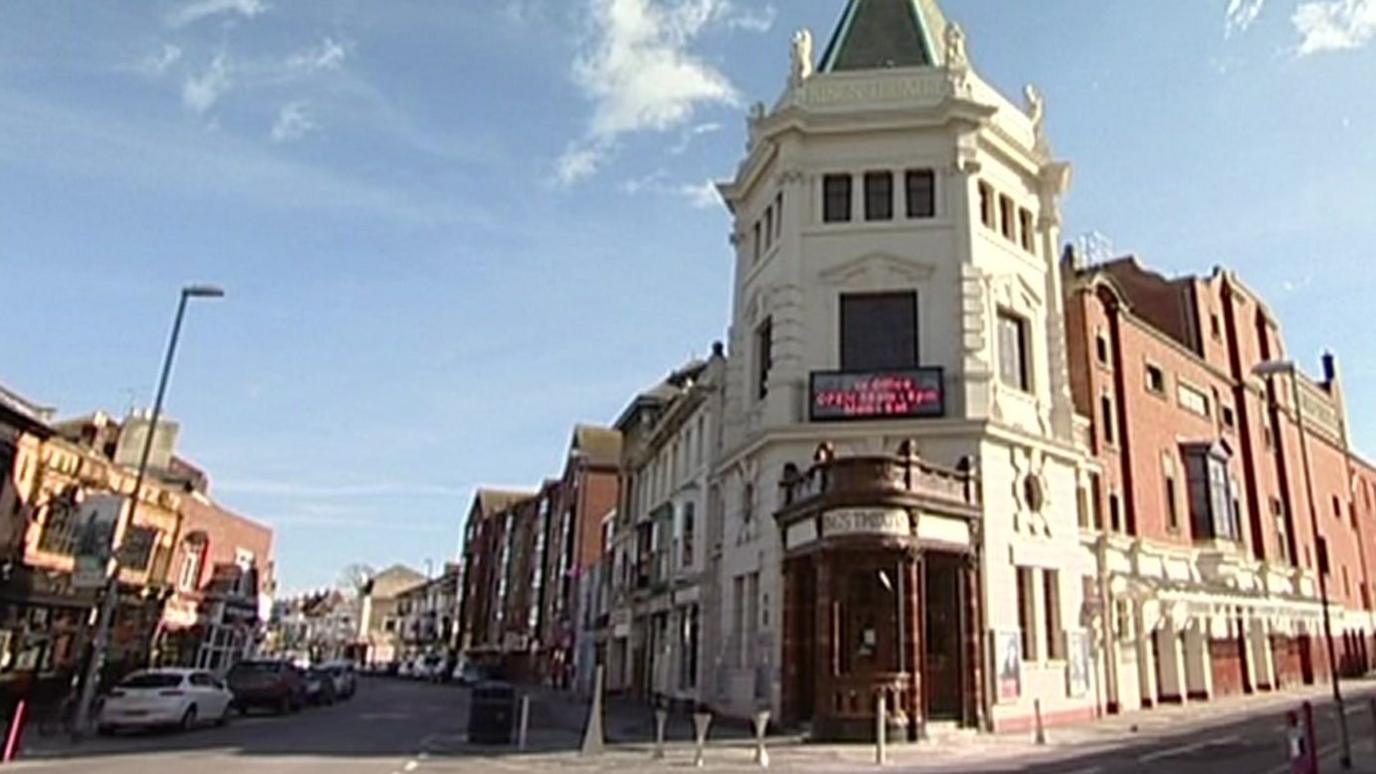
(761, 726)
(661, 720)
(701, 721)
(593, 742)
(1041, 728)
(16, 728)
(524, 729)
(1299, 742)
(881, 735)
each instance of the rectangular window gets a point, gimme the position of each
(689, 537)
(758, 242)
(1101, 348)
(1014, 370)
(1229, 418)
(1096, 492)
(986, 204)
(878, 196)
(1051, 596)
(921, 192)
(1025, 230)
(1082, 507)
(1213, 512)
(1007, 225)
(1172, 497)
(1027, 614)
(764, 356)
(1282, 531)
(137, 548)
(1156, 380)
(768, 228)
(1115, 513)
(1107, 419)
(738, 619)
(778, 221)
(836, 197)
(878, 331)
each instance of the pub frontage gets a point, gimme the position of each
(881, 595)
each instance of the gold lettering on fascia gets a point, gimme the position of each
(867, 521)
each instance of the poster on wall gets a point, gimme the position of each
(97, 520)
(1008, 664)
(1078, 664)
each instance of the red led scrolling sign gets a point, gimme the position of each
(899, 394)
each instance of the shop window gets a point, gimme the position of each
(878, 331)
(878, 196)
(136, 551)
(921, 193)
(836, 198)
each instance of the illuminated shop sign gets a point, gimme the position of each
(915, 393)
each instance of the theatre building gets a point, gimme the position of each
(901, 458)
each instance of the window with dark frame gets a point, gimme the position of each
(1107, 419)
(768, 228)
(1213, 505)
(921, 193)
(764, 356)
(1025, 230)
(1101, 348)
(1172, 496)
(759, 243)
(1156, 380)
(1027, 616)
(986, 204)
(878, 331)
(1007, 225)
(878, 196)
(1115, 513)
(836, 198)
(778, 215)
(1051, 596)
(1014, 365)
(1096, 491)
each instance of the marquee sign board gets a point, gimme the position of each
(917, 393)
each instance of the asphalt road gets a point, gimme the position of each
(385, 728)
(397, 727)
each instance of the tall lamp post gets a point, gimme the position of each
(1288, 368)
(110, 602)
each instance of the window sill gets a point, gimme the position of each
(875, 226)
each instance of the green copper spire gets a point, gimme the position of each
(879, 34)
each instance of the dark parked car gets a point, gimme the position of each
(274, 685)
(320, 687)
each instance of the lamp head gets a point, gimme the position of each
(203, 291)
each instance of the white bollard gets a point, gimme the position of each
(701, 721)
(761, 726)
(593, 743)
(661, 720)
(524, 729)
(881, 731)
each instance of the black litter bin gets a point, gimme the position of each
(491, 713)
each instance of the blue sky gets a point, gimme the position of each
(449, 230)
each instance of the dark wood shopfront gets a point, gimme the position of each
(874, 609)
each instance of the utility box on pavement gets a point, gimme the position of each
(492, 714)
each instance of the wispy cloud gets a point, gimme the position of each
(293, 123)
(691, 133)
(201, 9)
(156, 64)
(85, 145)
(641, 75)
(201, 92)
(329, 54)
(293, 489)
(1334, 25)
(698, 195)
(1241, 14)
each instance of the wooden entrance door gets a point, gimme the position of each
(942, 667)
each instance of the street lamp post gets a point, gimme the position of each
(1275, 368)
(109, 603)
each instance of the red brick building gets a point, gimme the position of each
(1210, 558)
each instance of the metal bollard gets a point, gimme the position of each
(881, 731)
(701, 721)
(593, 742)
(761, 726)
(523, 730)
(661, 720)
(1041, 729)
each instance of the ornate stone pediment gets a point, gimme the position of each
(877, 271)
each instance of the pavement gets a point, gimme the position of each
(398, 727)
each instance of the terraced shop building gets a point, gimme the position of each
(901, 449)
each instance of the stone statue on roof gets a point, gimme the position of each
(956, 56)
(1036, 112)
(802, 57)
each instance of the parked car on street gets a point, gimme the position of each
(320, 688)
(345, 681)
(429, 667)
(469, 674)
(275, 685)
(165, 697)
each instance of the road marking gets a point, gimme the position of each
(410, 766)
(1171, 752)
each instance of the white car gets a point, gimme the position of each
(165, 697)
